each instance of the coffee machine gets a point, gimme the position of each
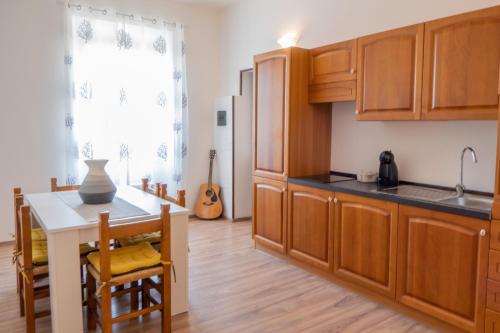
(388, 171)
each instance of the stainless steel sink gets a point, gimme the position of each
(418, 192)
(470, 201)
(444, 197)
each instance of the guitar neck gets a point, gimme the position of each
(210, 174)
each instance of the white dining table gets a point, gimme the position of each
(66, 227)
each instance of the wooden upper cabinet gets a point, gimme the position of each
(269, 212)
(366, 242)
(389, 74)
(461, 66)
(332, 74)
(271, 72)
(310, 225)
(442, 266)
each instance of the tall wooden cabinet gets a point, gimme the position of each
(461, 65)
(366, 242)
(310, 226)
(281, 108)
(291, 137)
(389, 82)
(271, 115)
(442, 266)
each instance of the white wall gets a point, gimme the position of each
(31, 82)
(426, 152)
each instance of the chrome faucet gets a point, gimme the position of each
(460, 187)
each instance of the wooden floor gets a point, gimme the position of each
(235, 288)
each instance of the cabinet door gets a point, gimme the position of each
(269, 212)
(333, 63)
(310, 225)
(332, 74)
(442, 266)
(389, 75)
(366, 242)
(461, 64)
(492, 322)
(271, 80)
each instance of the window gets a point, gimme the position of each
(127, 96)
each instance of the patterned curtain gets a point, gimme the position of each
(127, 97)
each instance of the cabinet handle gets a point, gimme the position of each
(482, 233)
(357, 111)
(353, 71)
(335, 200)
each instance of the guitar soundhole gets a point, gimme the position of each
(209, 193)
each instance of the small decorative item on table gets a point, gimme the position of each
(97, 187)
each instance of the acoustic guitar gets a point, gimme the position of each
(209, 206)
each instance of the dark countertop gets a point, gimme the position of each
(369, 190)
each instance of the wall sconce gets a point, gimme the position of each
(288, 40)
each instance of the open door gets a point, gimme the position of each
(242, 148)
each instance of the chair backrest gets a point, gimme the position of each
(24, 213)
(162, 192)
(181, 196)
(56, 188)
(18, 202)
(120, 230)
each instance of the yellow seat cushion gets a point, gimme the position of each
(127, 259)
(152, 238)
(40, 256)
(38, 235)
(39, 252)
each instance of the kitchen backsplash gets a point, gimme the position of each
(425, 151)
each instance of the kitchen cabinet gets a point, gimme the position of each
(269, 212)
(310, 225)
(332, 75)
(366, 242)
(271, 114)
(389, 68)
(442, 266)
(461, 65)
(495, 211)
(291, 137)
(492, 322)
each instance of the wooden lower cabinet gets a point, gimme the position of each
(310, 225)
(492, 322)
(366, 242)
(432, 262)
(269, 212)
(442, 266)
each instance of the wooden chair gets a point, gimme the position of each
(161, 191)
(106, 268)
(32, 266)
(56, 188)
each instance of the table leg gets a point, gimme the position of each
(65, 282)
(179, 247)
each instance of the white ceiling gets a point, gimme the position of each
(210, 3)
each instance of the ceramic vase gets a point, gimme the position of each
(97, 187)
